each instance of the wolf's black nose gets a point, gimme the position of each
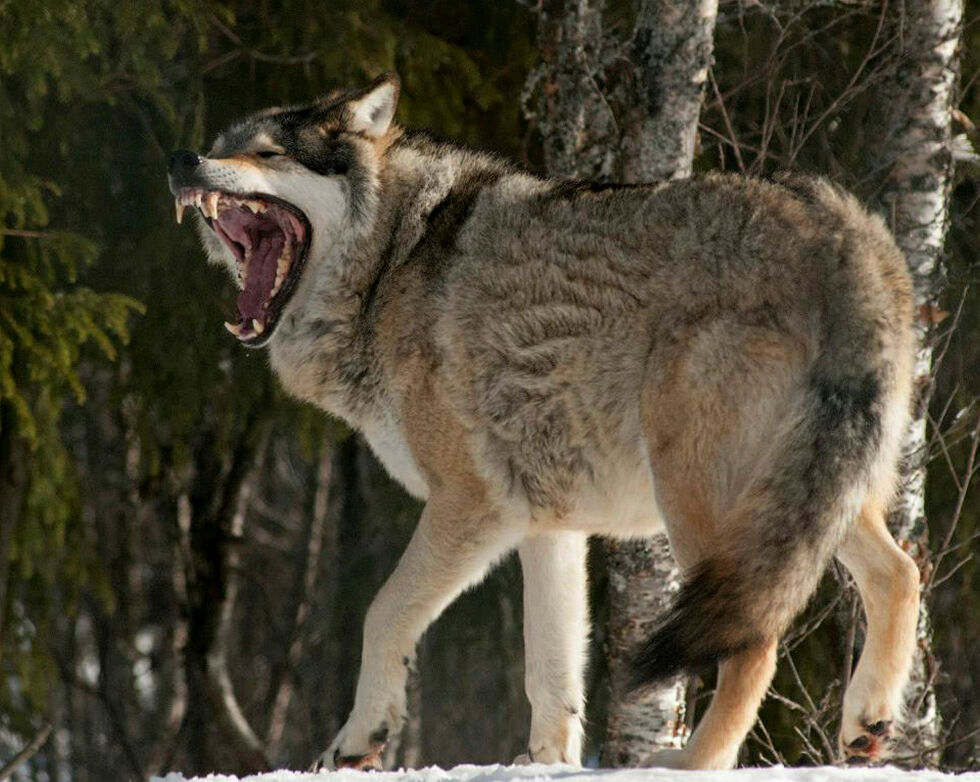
(181, 159)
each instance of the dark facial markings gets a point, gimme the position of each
(322, 155)
(310, 135)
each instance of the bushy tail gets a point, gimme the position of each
(779, 539)
(782, 535)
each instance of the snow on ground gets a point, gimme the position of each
(541, 773)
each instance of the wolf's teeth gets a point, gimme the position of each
(210, 207)
(255, 206)
(234, 328)
(257, 326)
(180, 211)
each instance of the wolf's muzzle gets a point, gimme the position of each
(182, 168)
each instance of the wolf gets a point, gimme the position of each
(723, 358)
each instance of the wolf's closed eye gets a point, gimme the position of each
(266, 153)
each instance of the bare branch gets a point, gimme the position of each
(26, 753)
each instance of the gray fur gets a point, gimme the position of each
(726, 356)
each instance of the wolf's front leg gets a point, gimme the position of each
(452, 548)
(555, 633)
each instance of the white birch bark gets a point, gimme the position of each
(627, 110)
(642, 580)
(917, 162)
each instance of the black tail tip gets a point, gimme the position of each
(660, 658)
(674, 650)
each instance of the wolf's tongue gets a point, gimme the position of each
(261, 275)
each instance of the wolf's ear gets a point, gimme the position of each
(371, 113)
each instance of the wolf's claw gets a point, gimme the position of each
(335, 761)
(372, 760)
(871, 746)
(880, 728)
(369, 762)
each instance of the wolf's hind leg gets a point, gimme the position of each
(555, 633)
(742, 683)
(888, 581)
(452, 547)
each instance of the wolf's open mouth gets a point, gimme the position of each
(270, 238)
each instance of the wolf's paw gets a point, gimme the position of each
(336, 756)
(868, 744)
(668, 758)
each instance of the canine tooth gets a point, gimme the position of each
(180, 211)
(211, 205)
(234, 328)
(258, 326)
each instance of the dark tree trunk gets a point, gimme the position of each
(317, 543)
(216, 516)
(13, 477)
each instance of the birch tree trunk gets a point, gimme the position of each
(573, 115)
(627, 110)
(917, 163)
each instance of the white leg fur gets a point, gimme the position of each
(555, 635)
(888, 581)
(441, 560)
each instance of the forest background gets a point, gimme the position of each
(165, 509)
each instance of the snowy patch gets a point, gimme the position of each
(541, 773)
